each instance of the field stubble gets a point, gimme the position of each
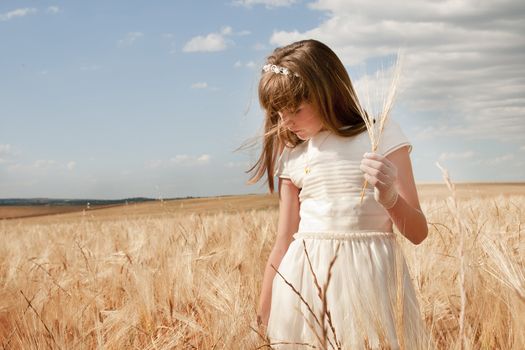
(184, 279)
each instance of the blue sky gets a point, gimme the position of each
(113, 99)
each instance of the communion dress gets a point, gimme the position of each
(370, 296)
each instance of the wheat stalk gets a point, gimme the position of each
(375, 128)
(461, 252)
(325, 313)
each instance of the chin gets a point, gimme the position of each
(302, 137)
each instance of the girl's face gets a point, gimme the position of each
(304, 122)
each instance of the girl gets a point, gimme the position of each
(315, 138)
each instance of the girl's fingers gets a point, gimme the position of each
(376, 178)
(374, 172)
(381, 186)
(384, 165)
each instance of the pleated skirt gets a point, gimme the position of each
(365, 300)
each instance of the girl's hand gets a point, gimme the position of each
(382, 174)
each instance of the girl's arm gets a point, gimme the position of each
(406, 212)
(287, 226)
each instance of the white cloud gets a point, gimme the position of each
(462, 60)
(209, 43)
(205, 158)
(496, 160)
(212, 42)
(185, 159)
(90, 68)
(130, 39)
(237, 165)
(44, 163)
(249, 64)
(267, 3)
(17, 13)
(5, 150)
(53, 9)
(199, 85)
(522, 148)
(180, 160)
(454, 155)
(155, 163)
(227, 30)
(259, 47)
(5, 153)
(71, 165)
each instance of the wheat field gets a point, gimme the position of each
(187, 274)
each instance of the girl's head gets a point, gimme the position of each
(304, 88)
(315, 76)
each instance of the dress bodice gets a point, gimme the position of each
(326, 169)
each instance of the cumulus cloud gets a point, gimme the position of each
(237, 165)
(53, 9)
(495, 160)
(455, 155)
(185, 159)
(180, 160)
(5, 150)
(130, 39)
(266, 3)
(259, 47)
(22, 12)
(249, 64)
(199, 85)
(90, 68)
(212, 42)
(462, 59)
(44, 163)
(243, 33)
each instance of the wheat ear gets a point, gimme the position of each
(375, 129)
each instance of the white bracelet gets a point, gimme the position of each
(391, 200)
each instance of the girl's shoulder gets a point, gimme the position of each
(393, 138)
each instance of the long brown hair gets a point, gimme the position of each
(317, 76)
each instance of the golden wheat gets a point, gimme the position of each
(183, 281)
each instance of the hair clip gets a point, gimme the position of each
(277, 69)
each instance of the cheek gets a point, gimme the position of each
(310, 120)
(314, 122)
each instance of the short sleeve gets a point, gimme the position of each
(392, 138)
(282, 167)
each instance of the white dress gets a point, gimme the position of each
(367, 309)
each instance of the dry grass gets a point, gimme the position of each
(170, 279)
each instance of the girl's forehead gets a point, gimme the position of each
(292, 106)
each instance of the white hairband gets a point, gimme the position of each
(277, 69)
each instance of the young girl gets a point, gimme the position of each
(316, 140)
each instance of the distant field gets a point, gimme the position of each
(150, 209)
(471, 189)
(25, 211)
(235, 203)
